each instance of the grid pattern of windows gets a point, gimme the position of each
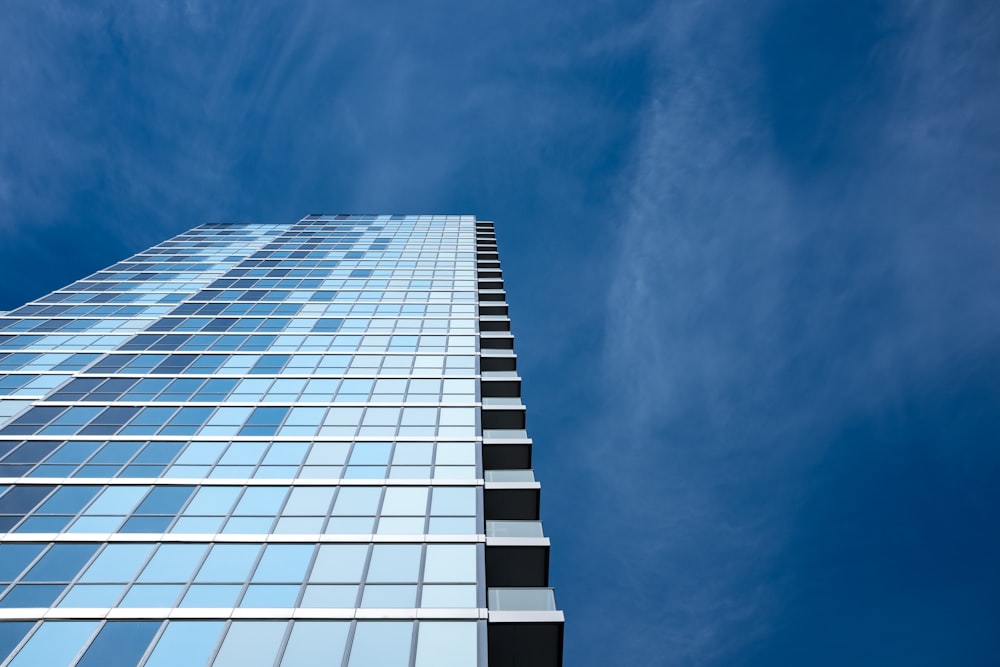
(274, 417)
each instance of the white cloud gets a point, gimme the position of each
(752, 310)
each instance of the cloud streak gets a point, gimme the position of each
(753, 314)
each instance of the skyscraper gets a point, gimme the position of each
(273, 444)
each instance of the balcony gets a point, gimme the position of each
(525, 628)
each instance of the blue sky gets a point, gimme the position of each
(750, 250)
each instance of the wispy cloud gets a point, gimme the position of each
(754, 312)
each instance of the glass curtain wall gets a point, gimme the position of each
(251, 444)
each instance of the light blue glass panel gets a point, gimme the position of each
(260, 500)
(448, 596)
(211, 595)
(455, 453)
(251, 644)
(118, 562)
(198, 453)
(330, 595)
(55, 643)
(328, 453)
(389, 596)
(243, 453)
(454, 501)
(450, 563)
(315, 638)
(270, 595)
(283, 563)
(394, 563)
(307, 500)
(212, 500)
(371, 453)
(405, 501)
(381, 643)
(339, 563)
(447, 644)
(92, 595)
(173, 563)
(185, 643)
(357, 501)
(414, 453)
(152, 595)
(350, 525)
(116, 500)
(228, 562)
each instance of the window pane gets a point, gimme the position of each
(119, 644)
(118, 562)
(284, 563)
(446, 644)
(450, 563)
(55, 643)
(12, 633)
(392, 563)
(311, 639)
(382, 643)
(251, 644)
(185, 643)
(173, 562)
(336, 563)
(228, 562)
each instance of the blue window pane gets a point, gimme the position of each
(185, 643)
(11, 635)
(61, 562)
(119, 644)
(31, 595)
(382, 643)
(309, 639)
(147, 524)
(68, 500)
(22, 499)
(55, 643)
(165, 500)
(15, 557)
(159, 452)
(251, 644)
(116, 452)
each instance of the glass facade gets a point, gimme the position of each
(271, 444)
